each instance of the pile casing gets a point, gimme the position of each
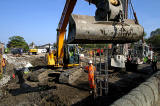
(85, 29)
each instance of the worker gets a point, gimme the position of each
(4, 63)
(91, 69)
(90, 53)
(71, 55)
(154, 63)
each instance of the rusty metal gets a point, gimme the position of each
(85, 29)
(101, 73)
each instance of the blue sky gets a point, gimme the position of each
(37, 20)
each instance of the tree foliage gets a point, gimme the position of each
(154, 39)
(17, 42)
(156, 32)
(145, 34)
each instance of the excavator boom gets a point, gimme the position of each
(69, 6)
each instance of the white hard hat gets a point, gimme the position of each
(90, 62)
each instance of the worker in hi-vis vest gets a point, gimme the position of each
(91, 69)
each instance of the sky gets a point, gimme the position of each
(37, 20)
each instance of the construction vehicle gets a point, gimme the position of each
(17, 51)
(32, 49)
(141, 51)
(115, 27)
(118, 57)
(109, 25)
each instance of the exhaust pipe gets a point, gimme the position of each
(85, 29)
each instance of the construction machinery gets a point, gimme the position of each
(32, 49)
(109, 25)
(119, 56)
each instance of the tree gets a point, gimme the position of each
(155, 42)
(156, 32)
(145, 34)
(17, 42)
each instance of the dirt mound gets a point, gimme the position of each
(39, 61)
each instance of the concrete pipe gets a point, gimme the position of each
(146, 94)
(84, 29)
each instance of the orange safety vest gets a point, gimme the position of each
(91, 70)
(3, 62)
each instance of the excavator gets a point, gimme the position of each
(109, 25)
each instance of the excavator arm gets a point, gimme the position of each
(69, 6)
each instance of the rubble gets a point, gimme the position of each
(34, 76)
(70, 76)
(18, 62)
(4, 80)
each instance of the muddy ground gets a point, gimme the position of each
(51, 93)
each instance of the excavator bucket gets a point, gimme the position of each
(85, 29)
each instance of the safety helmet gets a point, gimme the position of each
(90, 62)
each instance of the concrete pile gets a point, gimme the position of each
(146, 94)
(85, 29)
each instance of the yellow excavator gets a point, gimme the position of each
(32, 49)
(109, 25)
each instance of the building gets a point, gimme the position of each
(44, 48)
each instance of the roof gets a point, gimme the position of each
(44, 46)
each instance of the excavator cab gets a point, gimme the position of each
(71, 55)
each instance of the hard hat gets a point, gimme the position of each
(90, 62)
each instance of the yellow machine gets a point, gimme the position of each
(62, 57)
(68, 55)
(33, 51)
(109, 25)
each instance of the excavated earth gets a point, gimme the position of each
(49, 92)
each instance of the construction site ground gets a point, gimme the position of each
(50, 92)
